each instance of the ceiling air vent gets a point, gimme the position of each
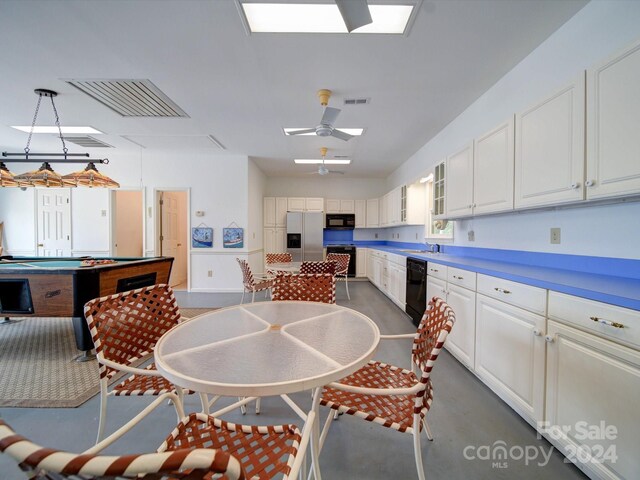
(87, 141)
(356, 101)
(130, 98)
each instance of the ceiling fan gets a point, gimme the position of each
(355, 13)
(322, 168)
(325, 128)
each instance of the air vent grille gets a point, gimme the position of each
(87, 141)
(356, 101)
(130, 98)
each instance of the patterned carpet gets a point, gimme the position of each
(37, 367)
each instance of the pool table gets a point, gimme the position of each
(60, 286)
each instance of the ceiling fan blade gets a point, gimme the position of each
(330, 116)
(341, 135)
(302, 132)
(355, 13)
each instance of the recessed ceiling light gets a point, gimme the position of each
(341, 161)
(54, 129)
(321, 18)
(350, 131)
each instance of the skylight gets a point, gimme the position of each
(307, 161)
(54, 129)
(350, 131)
(321, 18)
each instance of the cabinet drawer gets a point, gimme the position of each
(463, 278)
(524, 296)
(437, 270)
(612, 322)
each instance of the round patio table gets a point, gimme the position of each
(289, 267)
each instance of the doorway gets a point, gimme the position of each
(172, 237)
(54, 222)
(127, 218)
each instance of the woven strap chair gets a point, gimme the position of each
(253, 282)
(319, 267)
(277, 258)
(319, 287)
(200, 447)
(342, 269)
(125, 328)
(391, 396)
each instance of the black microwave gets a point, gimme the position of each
(340, 221)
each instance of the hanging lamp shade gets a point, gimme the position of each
(7, 179)
(90, 177)
(43, 177)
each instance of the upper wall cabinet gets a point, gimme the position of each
(373, 212)
(301, 204)
(333, 205)
(613, 126)
(459, 183)
(360, 208)
(493, 160)
(549, 163)
(275, 211)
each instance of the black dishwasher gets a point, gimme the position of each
(416, 289)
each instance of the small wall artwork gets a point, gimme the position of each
(202, 237)
(233, 237)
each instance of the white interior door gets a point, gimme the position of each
(54, 222)
(173, 234)
(127, 223)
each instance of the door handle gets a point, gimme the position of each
(41, 244)
(179, 245)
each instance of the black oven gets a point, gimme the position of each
(340, 221)
(416, 289)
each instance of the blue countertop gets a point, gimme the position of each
(623, 290)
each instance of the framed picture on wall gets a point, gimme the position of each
(233, 237)
(201, 237)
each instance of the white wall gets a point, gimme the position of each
(328, 186)
(257, 182)
(595, 32)
(17, 211)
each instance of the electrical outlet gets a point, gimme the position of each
(471, 235)
(416, 235)
(103, 213)
(555, 236)
(210, 273)
(376, 235)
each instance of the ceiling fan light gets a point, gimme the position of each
(324, 131)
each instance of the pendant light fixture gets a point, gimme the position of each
(45, 176)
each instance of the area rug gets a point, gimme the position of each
(37, 367)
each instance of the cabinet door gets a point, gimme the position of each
(613, 123)
(347, 206)
(370, 259)
(280, 240)
(384, 210)
(435, 288)
(373, 219)
(593, 383)
(510, 355)
(378, 273)
(402, 294)
(361, 262)
(269, 240)
(459, 183)
(269, 212)
(296, 204)
(493, 161)
(549, 166)
(314, 204)
(360, 207)
(461, 342)
(281, 212)
(332, 205)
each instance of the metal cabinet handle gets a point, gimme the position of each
(607, 322)
(537, 332)
(575, 185)
(549, 338)
(458, 278)
(590, 183)
(502, 290)
(433, 269)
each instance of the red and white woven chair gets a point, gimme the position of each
(125, 328)
(270, 258)
(200, 447)
(253, 282)
(391, 396)
(318, 287)
(342, 269)
(319, 267)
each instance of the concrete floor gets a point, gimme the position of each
(465, 416)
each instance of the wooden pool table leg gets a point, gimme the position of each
(83, 339)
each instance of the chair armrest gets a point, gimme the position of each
(302, 448)
(378, 391)
(129, 369)
(398, 337)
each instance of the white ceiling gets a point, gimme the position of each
(243, 89)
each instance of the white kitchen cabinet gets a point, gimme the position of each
(275, 211)
(332, 205)
(510, 355)
(275, 240)
(370, 258)
(436, 287)
(590, 381)
(613, 123)
(549, 145)
(360, 209)
(415, 204)
(296, 204)
(439, 198)
(314, 204)
(493, 164)
(361, 262)
(373, 213)
(459, 183)
(384, 210)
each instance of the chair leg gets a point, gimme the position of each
(204, 399)
(258, 406)
(427, 430)
(253, 296)
(346, 284)
(242, 299)
(243, 408)
(416, 447)
(103, 409)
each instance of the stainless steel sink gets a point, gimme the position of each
(417, 251)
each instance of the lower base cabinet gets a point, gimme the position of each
(461, 342)
(510, 355)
